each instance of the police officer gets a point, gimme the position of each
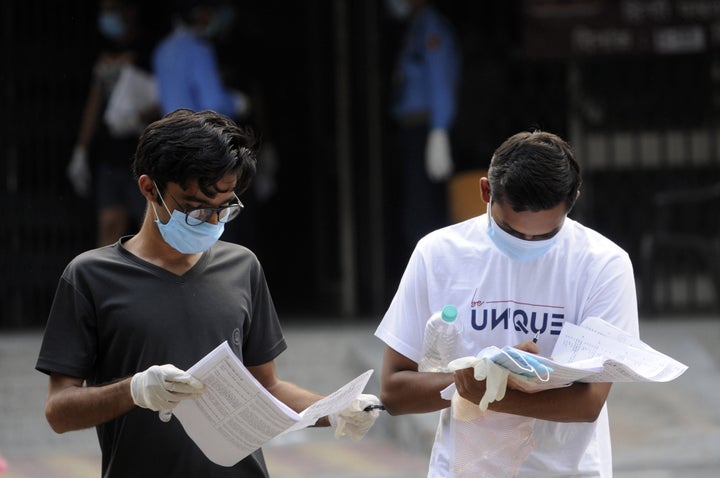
(424, 104)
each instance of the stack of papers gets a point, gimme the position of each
(236, 415)
(595, 351)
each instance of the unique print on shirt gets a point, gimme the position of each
(522, 316)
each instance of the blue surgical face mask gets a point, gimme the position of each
(111, 25)
(519, 250)
(185, 238)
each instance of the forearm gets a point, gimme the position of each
(580, 402)
(296, 397)
(409, 391)
(76, 407)
(405, 390)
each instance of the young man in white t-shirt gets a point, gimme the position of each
(523, 268)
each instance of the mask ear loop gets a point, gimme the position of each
(157, 218)
(547, 373)
(528, 367)
(162, 200)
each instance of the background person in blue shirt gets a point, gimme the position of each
(188, 75)
(185, 63)
(423, 106)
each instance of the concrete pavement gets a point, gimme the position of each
(659, 430)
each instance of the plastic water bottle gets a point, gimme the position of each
(442, 334)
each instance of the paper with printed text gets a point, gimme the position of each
(236, 415)
(597, 351)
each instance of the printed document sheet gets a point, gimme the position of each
(597, 351)
(236, 415)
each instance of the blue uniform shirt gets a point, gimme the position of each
(187, 75)
(428, 70)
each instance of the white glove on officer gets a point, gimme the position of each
(354, 421)
(438, 161)
(264, 183)
(78, 171)
(242, 104)
(162, 387)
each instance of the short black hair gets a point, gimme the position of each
(534, 171)
(205, 146)
(187, 9)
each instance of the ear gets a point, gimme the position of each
(147, 188)
(485, 190)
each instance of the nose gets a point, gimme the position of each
(214, 218)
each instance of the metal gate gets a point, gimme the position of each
(651, 157)
(43, 88)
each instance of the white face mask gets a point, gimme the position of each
(519, 250)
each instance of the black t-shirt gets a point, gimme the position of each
(115, 314)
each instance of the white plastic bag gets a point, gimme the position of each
(488, 444)
(134, 94)
(491, 446)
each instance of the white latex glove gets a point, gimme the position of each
(354, 421)
(495, 377)
(78, 171)
(242, 104)
(438, 161)
(162, 387)
(267, 166)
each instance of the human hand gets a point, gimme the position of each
(354, 421)
(242, 104)
(264, 183)
(162, 387)
(528, 346)
(438, 161)
(78, 171)
(467, 387)
(482, 381)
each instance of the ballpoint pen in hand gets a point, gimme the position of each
(536, 337)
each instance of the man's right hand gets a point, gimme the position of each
(162, 387)
(528, 346)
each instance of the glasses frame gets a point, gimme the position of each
(239, 207)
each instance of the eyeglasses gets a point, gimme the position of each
(198, 215)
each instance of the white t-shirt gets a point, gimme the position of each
(501, 302)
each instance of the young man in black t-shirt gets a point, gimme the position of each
(129, 318)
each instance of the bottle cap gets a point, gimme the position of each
(449, 313)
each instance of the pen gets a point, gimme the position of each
(536, 337)
(373, 407)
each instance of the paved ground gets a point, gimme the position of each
(659, 430)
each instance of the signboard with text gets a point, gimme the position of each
(585, 28)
